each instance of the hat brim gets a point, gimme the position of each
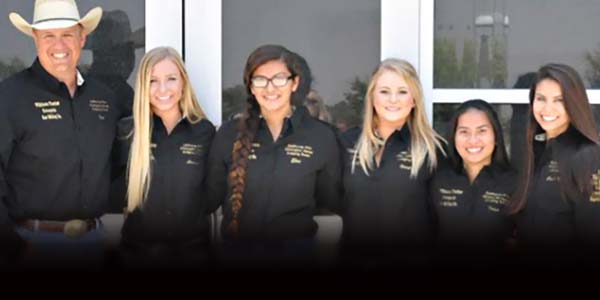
(89, 22)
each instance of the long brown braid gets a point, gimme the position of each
(248, 126)
(242, 147)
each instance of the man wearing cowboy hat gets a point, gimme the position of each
(56, 135)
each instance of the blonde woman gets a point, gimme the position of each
(388, 165)
(168, 139)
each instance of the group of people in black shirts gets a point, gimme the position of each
(407, 196)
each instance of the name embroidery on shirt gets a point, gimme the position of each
(495, 199)
(449, 197)
(554, 173)
(191, 150)
(595, 196)
(49, 110)
(252, 155)
(100, 106)
(405, 160)
(298, 152)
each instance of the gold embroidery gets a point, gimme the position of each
(296, 152)
(595, 196)
(48, 109)
(99, 105)
(449, 197)
(252, 155)
(451, 191)
(191, 162)
(405, 160)
(494, 209)
(47, 104)
(554, 173)
(191, 149)
(495, 198)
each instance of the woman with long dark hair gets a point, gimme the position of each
(558, 198)
(273, 166)
(470, 194)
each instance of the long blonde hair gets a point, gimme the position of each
(139, 170)
(424, 140)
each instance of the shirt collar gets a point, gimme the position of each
(158, 124)
(80, 79)
(292, 121)
(571, 136)
(51, 81)
(402, 134)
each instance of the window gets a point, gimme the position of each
(341, 46)
(111, 52)
(491, 43)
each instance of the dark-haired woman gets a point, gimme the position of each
(470, 194)
(272, 167)
(558, 198)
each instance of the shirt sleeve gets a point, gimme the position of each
(587, 201)
(206, 158)
(10, 242)
(120, 156)
(217, 170)
(7, 141)
(329, 178)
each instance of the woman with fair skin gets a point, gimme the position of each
(389, 164)
(469, 195)
(271, 168)
(167, 142)
(558, 198)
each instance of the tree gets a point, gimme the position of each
(350, 109)
(468, 69)
(445, 64)
(592, 73)
(499, 68)
(15, 65)
(234, 101)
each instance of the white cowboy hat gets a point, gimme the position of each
(51, 14)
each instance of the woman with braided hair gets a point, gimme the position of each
(273, 166)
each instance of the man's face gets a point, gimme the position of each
(59, 49)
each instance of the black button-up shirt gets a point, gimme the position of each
(473, 214)
(175, 210)
(549, 219)
(286, 179)
(55, 150)
(387, 207)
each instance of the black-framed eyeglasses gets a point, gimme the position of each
(278, 80)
